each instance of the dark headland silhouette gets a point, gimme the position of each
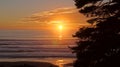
(26, 64)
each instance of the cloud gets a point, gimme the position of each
(56, 11)
(69, 15)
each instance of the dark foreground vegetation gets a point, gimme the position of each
(99, 44)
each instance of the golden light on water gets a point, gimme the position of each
(60, 63)
(60, 27)
(60, 37)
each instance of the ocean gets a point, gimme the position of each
(23, 45)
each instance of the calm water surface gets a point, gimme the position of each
(21, 45)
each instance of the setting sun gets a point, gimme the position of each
(60, 27)
(38, 32)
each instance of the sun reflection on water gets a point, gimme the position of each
(60, 37)
(60, 31)
(60, 63)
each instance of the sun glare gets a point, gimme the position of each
(60, 27)
(59, 24)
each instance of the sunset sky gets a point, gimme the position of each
(52, 15)
(33, 14)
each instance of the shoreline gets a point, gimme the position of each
(60, 62)
(26, 64)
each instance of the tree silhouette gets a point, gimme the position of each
(99, 44)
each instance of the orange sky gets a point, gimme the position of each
(43, 15)
(39, 14)
(68, 16)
